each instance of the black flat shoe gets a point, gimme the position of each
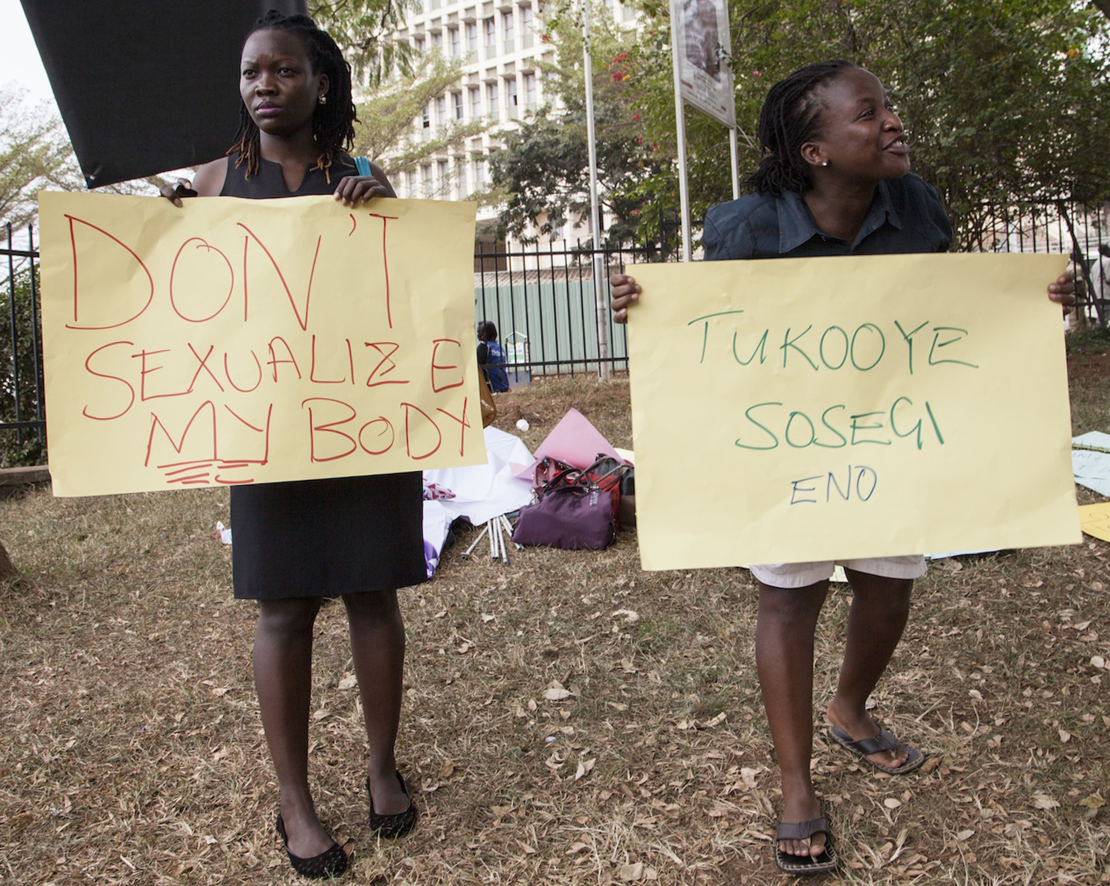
(332, 862)
(390, 827)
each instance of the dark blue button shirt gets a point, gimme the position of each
(905, 216)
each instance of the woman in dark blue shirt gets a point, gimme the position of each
(834, 180)
(491, 358)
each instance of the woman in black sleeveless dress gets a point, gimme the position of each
(357, 537)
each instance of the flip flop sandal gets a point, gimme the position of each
(805, 864)
(884, 741)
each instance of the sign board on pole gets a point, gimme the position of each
(703, 48)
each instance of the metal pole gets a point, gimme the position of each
(680, 130)
(601, 301)
(734, 151)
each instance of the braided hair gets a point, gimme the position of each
(333, 123)
(790, 117)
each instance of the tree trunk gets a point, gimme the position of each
(7, 570)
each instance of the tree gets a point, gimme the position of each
(542, 170)
(1004, 98)
(34, 154)
(364, 30)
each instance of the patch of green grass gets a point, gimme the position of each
(1092, 340)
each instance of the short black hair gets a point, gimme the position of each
(333, 123)
(789, 118)
(487, 330)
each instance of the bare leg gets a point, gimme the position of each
(880, 608)
(283, 677)
(784, 659)
(378, 648)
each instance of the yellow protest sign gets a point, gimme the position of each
(830, 408)
(246, 341)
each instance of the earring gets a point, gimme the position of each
(324, 100)
(826, 163)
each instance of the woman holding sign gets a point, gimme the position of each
(360, 538)
(834, 180)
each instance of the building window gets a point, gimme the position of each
(426, 180)
(526, 26)
(460, 179)
(418, 45)
(480, 173)
(510, 97)
(453, 42)
(444, 176)
(493, 101)
(410, 184)
(457, 101)
(490, 30)
(471, 37)
(426, 117)
(507, 30)
(475, 102)
(530, 91)
(441, 110)
(437, 40)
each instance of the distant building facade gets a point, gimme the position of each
(500, 44)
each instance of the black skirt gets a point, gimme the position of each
(319, 538)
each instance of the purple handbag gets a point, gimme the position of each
(568, 517)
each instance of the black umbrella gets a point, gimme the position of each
(149, 85)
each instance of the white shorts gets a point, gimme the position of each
(800, 575)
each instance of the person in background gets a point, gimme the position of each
(360, 538)
(834, 180)
(491, 358)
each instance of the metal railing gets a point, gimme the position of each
(545, 305)
(22, 387)
(1061, 226)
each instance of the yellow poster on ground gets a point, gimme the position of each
(830, 408)
(1095, 520)
(246, 341)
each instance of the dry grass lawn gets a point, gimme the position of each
(131, 749)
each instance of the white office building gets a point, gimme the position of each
(499, 43)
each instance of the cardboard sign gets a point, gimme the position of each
(829, 408)
(246, 341)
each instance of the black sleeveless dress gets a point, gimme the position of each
(315, 538)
